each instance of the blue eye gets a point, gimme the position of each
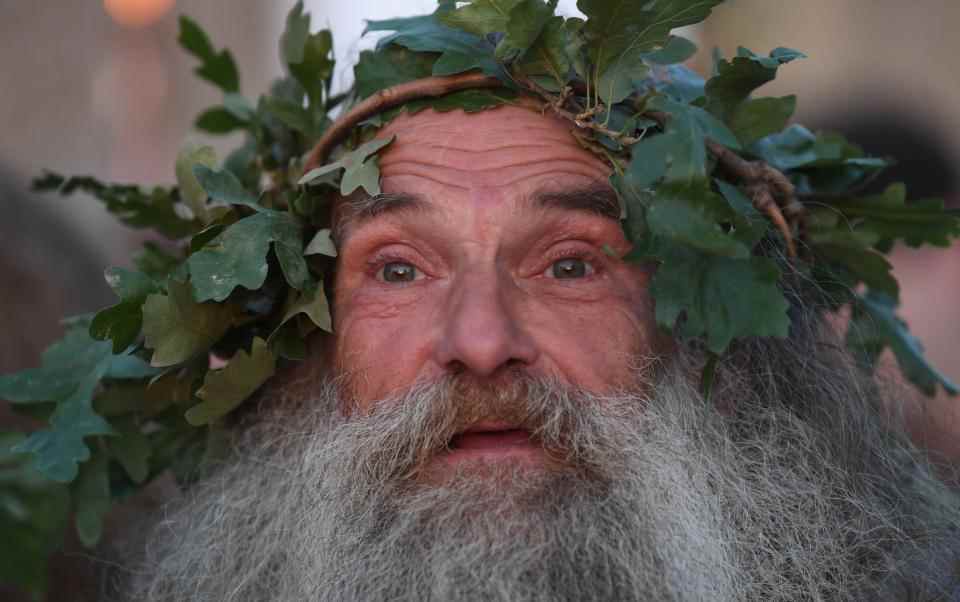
(398, 271)
(570, 267)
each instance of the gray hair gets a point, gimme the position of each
(794, 482)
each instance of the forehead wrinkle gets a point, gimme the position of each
(452, 157)
(464, 179)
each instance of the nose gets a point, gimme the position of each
(481, 332)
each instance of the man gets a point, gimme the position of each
(502, 420)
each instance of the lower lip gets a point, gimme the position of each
(494, 445)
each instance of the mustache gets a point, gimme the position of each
(401, 434)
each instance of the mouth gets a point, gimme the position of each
(493, 441)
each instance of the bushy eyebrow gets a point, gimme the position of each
(596, 199)
(361, 207)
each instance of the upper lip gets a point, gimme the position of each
(491, 426)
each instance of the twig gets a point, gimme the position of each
(771, 191)
(388, 98)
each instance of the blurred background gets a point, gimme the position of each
(100, 87)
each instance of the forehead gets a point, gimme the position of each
(492, 156)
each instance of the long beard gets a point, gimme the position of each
(649, 494)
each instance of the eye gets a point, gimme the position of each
(569, 268)
(398, 271)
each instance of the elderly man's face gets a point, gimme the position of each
(496, 247)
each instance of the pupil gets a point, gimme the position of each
(398, 272)
(569, 268)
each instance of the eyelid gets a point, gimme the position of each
(593, 259)
(382, 257)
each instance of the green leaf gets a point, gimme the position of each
(155, 262)
(291, 114)
(620, 32)
(548, 55)
(238, 256)
(237, 105)
(217, 68)
(218, 120)
(677, 50)
(622, 78)
(682, 146)
(737, 79)
(91, 499)
(875, 326)
(309, 57)
(481, 17)
(312, 302)
(864, 265)
(177, 328)
(468, 101)
(359, 169)
(191, 191)
(33, 518)
(746, 223)
(294, 37)
(388, 67)
(525, 24)
(758, 118)
(693, 215)
(132, 205)
(131, 448)
(720, 298)
(890, 218)
(224, 187)
(121, 323)
(224, 390)
(321, 244)
(459, 51)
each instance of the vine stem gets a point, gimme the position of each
(430, 87)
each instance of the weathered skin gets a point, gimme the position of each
(485, 298)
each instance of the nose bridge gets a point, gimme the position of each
(481, 331)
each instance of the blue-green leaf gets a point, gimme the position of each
(459, 51)
(875, 326)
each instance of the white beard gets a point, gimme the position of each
(657, 497)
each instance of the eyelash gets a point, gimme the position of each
(376, 264)
(379, 260)
(589, 257)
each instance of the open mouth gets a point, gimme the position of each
(491, 437)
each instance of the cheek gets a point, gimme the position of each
(596, 341)
(381, 340)
(596, 346)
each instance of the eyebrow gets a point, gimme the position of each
(361, 207)
(595, 199)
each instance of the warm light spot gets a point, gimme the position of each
(137, 13)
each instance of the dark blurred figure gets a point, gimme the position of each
(46, 272)
(930, 277)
